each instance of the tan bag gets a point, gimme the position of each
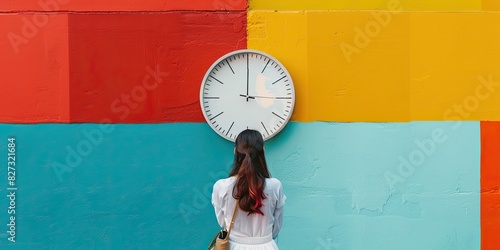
(221, 238)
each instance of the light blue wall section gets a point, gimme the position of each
(349, 185)
(348, 189)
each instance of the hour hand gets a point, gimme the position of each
(247, 96)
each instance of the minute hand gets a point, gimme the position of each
(266, 97)
(248, 76)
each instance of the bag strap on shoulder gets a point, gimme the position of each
(232, 219)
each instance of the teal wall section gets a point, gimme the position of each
(349, 185)
(349, 189)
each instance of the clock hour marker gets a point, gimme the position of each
(230, 128)
(265, 66)
(265, 128)
(216, 115)
(278, 116)
(278, 80)
(219, 80)
(211, 97)
(230, 66)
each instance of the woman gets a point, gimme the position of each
(260, 198)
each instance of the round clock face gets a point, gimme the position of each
(247, 89)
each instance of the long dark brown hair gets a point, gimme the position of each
(251, 169)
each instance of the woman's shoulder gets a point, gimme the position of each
(273, 182)
(224, 183)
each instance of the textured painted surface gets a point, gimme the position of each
(491, 5)
(112, 67)
(146, 67)
(34, 75)
(352, 203)
(148, 186)
(120, 5)
(399, 74)
(453, 66)
(490, 184)
(373, 86)
(409, 5)
(123, 191)
(386, 66)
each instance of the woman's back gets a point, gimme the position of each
(253, 225)
(259, 197)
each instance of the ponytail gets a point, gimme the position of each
(251, 168)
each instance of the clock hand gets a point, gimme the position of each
(274, 97)
(247, 77)
(266, 97)
(247, 96)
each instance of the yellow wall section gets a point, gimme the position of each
(386, 66)
(445, 5)
(453, 57)
(353, 77)
(491, 5)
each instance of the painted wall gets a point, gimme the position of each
(395, 136)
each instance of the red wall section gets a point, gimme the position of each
(120, 5)
(490, 185)
(113, 58)
(34, 68)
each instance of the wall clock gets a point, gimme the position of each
(247, 89)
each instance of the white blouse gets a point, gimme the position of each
(254, 225)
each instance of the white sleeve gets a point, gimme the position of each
(217, 203)
(278, 212)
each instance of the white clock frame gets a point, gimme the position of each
(224, 102)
